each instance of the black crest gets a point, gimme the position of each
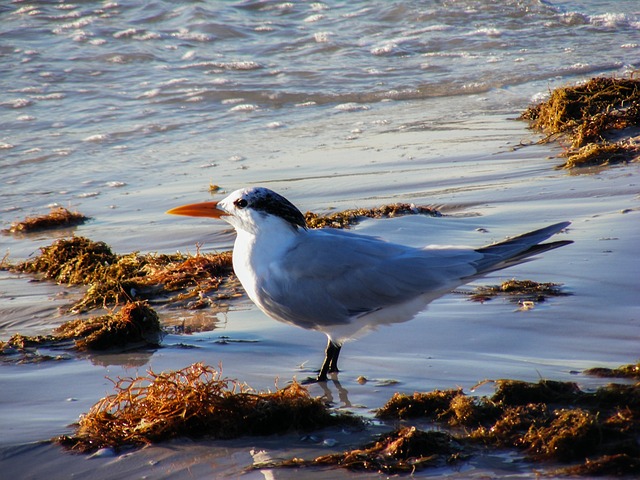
(269, 202)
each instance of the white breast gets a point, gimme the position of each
(256, 256)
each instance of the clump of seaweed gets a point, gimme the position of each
(587, 115)
(518, 291)
(16, 351)
(74, 261)
(430, 404)
(115, 279)
(135, 325)
(404, 450)
(450, 406)
(624, 371)
(58, 217)
(548, 419)
(570, 434)
(347, 218)
(516, 392)
(604, 153)
(608, 465)
(195, 402)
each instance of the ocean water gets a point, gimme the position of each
(124, 109)
(108, 105)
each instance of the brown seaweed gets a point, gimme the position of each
(587, 116)
(518, 291)
(196, 401)
(404, 450)
(547, 419)
(346, 218)
(58, 217)
(136, 324)
(623, 371)
(116, 279)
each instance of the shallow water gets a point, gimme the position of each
(123, 111)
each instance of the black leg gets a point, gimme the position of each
(333, 365)
(330, 364)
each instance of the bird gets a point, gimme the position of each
(342, 283)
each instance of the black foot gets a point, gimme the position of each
(312, 380)
(330, 364)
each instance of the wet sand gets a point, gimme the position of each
(487, 190)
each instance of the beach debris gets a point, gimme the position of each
(135, 325)
(58, 217)
(347, 218)
(16, 351)
(116, 279)
(431, 404)
(73, 261)
(550, 420)
(617, 465)
(623, 371)
(599, 119)
(587, 431)
(196, 401)
(525, 292)
(603, 153)
(404, 450)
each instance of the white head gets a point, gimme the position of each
(248, 208)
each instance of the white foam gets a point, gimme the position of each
(350, 107)
(322, 37)
(97, 138)
(314, 18)
(245, 107)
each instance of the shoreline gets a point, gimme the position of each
(492, 200)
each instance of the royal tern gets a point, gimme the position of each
(341, 283)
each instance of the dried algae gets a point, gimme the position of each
(404, 450)
(430, 404)
(549, 420)
(588, 116)
(135, 325)
(624, 371)
(592, 432)
(518, 291)
(115, 279)
(196, 401)
(346, 218)
(58, 217)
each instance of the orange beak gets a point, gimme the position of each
(204, 209)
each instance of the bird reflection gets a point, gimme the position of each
(343, 393)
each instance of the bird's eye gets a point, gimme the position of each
(241, 203)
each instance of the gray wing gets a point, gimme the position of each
(331, 276)
(518, 249)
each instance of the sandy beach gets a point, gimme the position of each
(455, 343)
